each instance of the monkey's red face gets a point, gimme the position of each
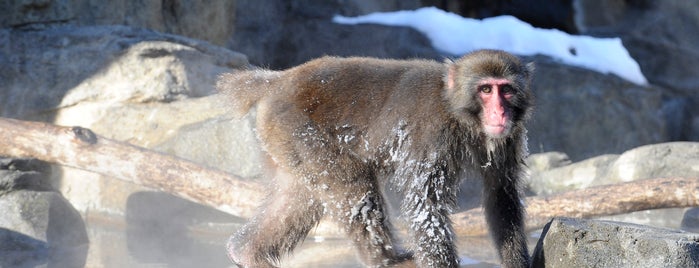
(490, 94)
(495, 94)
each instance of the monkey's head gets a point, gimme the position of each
(489, 89)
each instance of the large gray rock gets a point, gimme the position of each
(661, 36)
(226, 144)
(569, 242)
(284, 34)
(583, 174)
(690, 220)
(539, 13)
(541, 162)
(211, 20)
(126, 84)
(38, 226)
(584, 113)
(42, 72)
(663, 160)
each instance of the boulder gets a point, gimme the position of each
(584, 113)
(663, 160)
(56, 69)
(212, 21)
(223, 143)
(650, 29)
(674, 159)
(38, 226)
(127, 84)
(284, 34)
(583, 174)
(664, 218)
(690, 220)
(538, 13)
(280, 34)
(541, 162)
(661, 36)
(567, 242)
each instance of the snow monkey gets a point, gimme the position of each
(339, 129)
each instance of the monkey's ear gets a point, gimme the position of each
(450, 75)
(530, 68)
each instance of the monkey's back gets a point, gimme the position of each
(369, 98)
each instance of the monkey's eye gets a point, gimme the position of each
(508, 89)
(485, 89)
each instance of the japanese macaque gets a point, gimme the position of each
(339, 128)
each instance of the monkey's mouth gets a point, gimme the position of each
(496, 130)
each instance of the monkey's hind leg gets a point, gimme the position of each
(349, 188)
(336, 177)
(369, 230)
(286, 218)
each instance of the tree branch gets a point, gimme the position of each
(80, 148)
(594, 202)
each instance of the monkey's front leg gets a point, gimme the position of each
(505, 215)
(432, 232)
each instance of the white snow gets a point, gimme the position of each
(457, 35)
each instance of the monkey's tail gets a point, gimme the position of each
(245, 88)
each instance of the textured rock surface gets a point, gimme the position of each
(675, 159)
(588, 243)
(584, 113)
(284, 34)
(663, 160)
(578, 175)
(38, 226)
(661, 36)
(46, 71)
(546, 161)
(211, 20)
(127, 84)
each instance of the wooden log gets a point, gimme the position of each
(80, 148)
(594, 202)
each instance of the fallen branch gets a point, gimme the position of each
(594, 202)
(80, 148)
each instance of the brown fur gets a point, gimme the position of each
(339, 127)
